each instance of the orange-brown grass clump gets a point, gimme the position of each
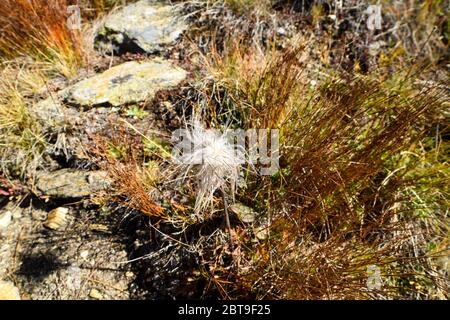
(133, 177)
(131, 180)
(339, 209)
(38, 28)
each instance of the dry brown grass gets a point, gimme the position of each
(132, 181)
(22, 139)
(339, 204)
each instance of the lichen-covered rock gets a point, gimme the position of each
(69, 183)
(127, 83)
(244, 213)
(144, 26)
(53, 116)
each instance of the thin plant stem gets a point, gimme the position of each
(227, 218)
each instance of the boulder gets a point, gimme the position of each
(127, 83)
(142, 27)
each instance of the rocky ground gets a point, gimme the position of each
(56, 244)
(67, 253)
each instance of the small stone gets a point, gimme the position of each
(95, 294)
(8, 291)
(262, 232)
(244, 213)
(17, 213)
(5, 220)
(57, 219)
(281, 31)
(375, 47)
(129, 274)
(84, 254)
(99, 228)
(15, 210)
(74, 279)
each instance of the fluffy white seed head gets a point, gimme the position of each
(213, 159)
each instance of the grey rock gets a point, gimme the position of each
(69, 183)
(127, 83)
(144, 26)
